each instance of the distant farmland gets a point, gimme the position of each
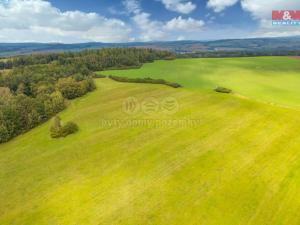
(231, 159)
(268, 79)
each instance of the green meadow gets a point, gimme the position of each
(218, 159)
(269, 79)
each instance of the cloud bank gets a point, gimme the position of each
(38, 20)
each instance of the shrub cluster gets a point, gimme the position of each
(144, 80)
(223, 90)
(70, 88)
(59, 131)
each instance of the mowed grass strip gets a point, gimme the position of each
(238, 165)
(269, 79)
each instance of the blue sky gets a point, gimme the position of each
(71, 21)
(116, 8)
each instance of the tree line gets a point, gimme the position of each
(94, 60)
(37, 86)
(227, 54)
(31, 95)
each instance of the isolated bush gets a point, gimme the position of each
(58, 131)
(175, 85)
(55, 128)
(223, 90)
(69, 128)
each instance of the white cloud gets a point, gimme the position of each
(220, 5)
(38, 20)
(132, 6)
(262, 12)
(149, 30)
(180, 6)
(263, 9)
(154, 30)
(146, 29)
(189, 25)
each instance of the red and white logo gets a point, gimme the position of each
(286, 15)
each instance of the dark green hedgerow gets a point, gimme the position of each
(97, 75)
(147, 80)
(223, 90)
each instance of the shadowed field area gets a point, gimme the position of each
(238, 164)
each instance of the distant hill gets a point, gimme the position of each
(254, 44)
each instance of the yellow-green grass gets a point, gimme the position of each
(268, 79)
(239, 164)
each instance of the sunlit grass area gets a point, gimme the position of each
(237, 163)
(268, 79)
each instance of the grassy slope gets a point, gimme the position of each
(268, 79)
(240, 165)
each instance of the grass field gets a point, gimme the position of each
(239, 164)
(268, 79)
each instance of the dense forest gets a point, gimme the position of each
(36, 87)
(94, 60)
